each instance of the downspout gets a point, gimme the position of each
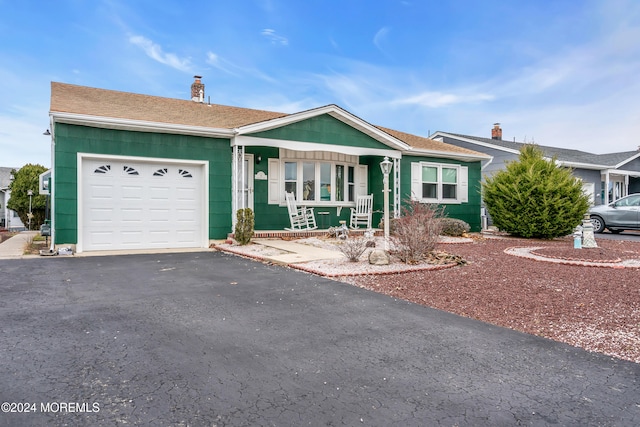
(52, 184)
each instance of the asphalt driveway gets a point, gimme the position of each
(210, 339)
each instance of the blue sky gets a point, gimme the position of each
(561, 72)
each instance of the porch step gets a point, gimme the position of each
(285, 235)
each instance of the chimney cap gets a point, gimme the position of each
(197, 77)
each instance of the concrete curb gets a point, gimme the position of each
(529, 253)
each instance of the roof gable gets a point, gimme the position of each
(327, 129)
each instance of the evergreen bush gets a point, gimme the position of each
(454, 227)
(244, 226)
(533, 197)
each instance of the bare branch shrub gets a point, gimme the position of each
(415, 233)
(353, 248)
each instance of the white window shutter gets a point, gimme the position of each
(274, 182)
(416, 181)
(362, 185)
(464, 184)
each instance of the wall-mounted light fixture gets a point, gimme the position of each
(46, 133)
(258, 159)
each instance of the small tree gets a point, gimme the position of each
(533, 197)
(415, 234)
(244, 226)
(25, 179)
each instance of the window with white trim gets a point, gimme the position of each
(439, 182)
(320, 181)
(317, 178)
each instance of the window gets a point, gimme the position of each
(308, 181)
(439, 183)
(325, 181)
(318, 181)
(290, 177)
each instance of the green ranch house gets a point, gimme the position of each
(132, 171)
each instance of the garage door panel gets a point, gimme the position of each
(101, 215)
(130, 192)
(160, 193)
(101, 192)
(101, 238)
(137, 205)
(184, 237)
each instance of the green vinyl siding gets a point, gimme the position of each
(469, 211)
(71, 140)
(323, 129)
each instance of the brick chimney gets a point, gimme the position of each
(197, 89)
(496, 132)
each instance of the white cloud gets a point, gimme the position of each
(271, 35)
(155, 52)
(380, 37)
(235, 70)
(441, 99)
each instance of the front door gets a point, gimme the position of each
(246, 186)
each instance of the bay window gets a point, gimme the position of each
(315, 182)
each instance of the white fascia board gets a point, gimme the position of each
(252, 141)
(630, 159)
(620, 172)
(576, 165)
(337, 113)
(139, 125)
(449, 155)
(476, 142)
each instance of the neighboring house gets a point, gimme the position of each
(134, 171)
(9, 220)
(605, 177)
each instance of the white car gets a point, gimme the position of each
(623, 214)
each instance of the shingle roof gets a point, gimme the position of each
(66, 98)
(561, 154)
(5, 176)
(421, 143)
(82, 100)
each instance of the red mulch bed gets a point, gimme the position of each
(597, 309)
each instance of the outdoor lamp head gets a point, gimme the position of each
(386, 166)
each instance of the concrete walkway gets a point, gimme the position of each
(15, 246)
(296, 252)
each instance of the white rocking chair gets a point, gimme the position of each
(361, 214)
(301, 218)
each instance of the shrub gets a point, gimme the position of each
(415, 233)
(353, 248)
(454, 227)
(533, 197)
(244, 226)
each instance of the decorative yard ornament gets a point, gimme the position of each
(588, 238)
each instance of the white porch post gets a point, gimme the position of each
(237, 181)
(626, 185)
(606, 188)
(396, 188)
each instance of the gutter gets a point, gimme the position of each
(139, 125)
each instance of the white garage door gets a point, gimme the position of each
(140, 205)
